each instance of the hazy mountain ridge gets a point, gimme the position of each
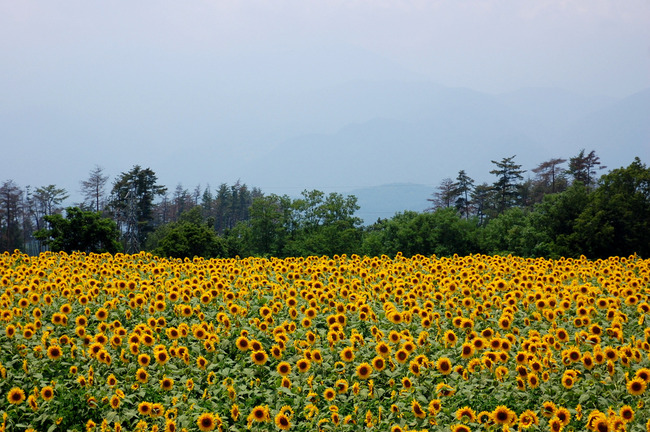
(402, 196)
(344, 138)
(534, 124)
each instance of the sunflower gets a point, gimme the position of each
(242, 343)
(111, 381)
(282, 421)
(10, 330)
(394, 336)
(467, 350)
(401, 356)
(383, 349)
(259, 357)
(316, 356)
(409, 346)
(444, 365)
(16, 396)
(601, 424)
(170, 426)
(33, 404)
(417, 410)
(548, 409)
(101, 314)
(611, 353)
(166, 383)
(347, 354)
(443, 389)
(644, 374)
(563, 415)
(555, 425)
(415, 368)
(255, 345)
(450, 338)
(521, 384)
(503, 415)
(460, 428)
(588, 361)
(47, 393)
(329, 394)
(206, 422)
(144, 408)
(616, 423)
(479, 343)
(259, 414)
(341, 386)
(161, 356)
(54, 352)
(364, 370)
(627, 413)
(485, 418)
(201, 362)
(234, 412)
(378, 363)
(567, 381)
(144, 360)
(501, 373)
(636, 386)
(283, 369)
(303, 365)
(115, 402)
(157, 409)
(466, 414)
(528, 419)
(141, 375)
(276, 352)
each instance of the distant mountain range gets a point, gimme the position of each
(382, 202)
(389, 142)
(408, 137)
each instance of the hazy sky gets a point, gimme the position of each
(124, 82)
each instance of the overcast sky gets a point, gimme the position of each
(141, 67)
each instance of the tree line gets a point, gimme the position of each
(564, 209)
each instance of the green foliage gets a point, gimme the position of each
(142, 183)
(323, 225)
(616, 220)
(270, 224)
(80, 230)
(442, 232)
(10, 225)
(555, 220)
(513, 233)
(188, 238)
(506, 186)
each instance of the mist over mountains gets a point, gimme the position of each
(389, 142)
(409, 136)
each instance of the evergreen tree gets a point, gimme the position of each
(583, 168)
(616, 221)
(137, 187)
(506, 187)
(464, 189)
(11, 208)
(93, 189)
(445, 196)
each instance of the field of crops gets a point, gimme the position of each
(135, 342)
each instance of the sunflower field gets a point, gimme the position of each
(94, 342)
